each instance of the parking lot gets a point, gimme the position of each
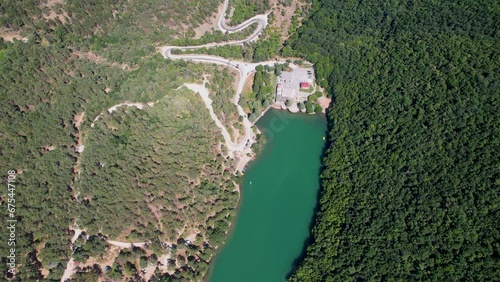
(288, 84)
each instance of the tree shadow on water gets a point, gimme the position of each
(310, 240)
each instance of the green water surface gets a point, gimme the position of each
(278, 198)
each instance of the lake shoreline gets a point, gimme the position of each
(257, 199)
(323, 101)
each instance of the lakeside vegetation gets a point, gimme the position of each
(311, 105)
(153, 175)
(410, 178)
(261, 95)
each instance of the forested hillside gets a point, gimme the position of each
(152, 175)
(410, 179)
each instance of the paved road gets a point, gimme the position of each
(244, 68)
(221, 24)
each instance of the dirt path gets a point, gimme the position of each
(204, 93)
(126, 244)
(70, 267)
(140, 106)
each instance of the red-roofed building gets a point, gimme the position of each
(304, 85)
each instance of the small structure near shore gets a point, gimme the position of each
(294, 85)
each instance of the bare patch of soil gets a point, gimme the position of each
(283, 16)
(209, 23)
(38, 249)
(51, 3)
(324, 102)
(236, 133)
(77, 119)
(101, 60)
(155, 210)
(247, 87)
(63, 17)
(48, 148)
(123, 235)
(9, 35)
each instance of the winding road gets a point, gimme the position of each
(244, 68)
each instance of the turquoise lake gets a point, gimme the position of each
(278, 198)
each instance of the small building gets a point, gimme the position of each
(294, 84)
(304, 85)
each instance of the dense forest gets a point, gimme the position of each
(410, 180)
